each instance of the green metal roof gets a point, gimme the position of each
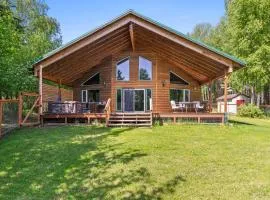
(237, 60)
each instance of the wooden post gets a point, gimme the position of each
(132, 39)
(225, 92)
(40, 91)
(210, 96)
(1, 117)
(59, 91)
(20, 109)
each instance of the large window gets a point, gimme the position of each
(122, 70)
(180, 95)
(90, 96)
(95, 79)
(176, 79)
(145, 69)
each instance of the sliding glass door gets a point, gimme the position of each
(139, 100)
(128, 100)
(133, 100)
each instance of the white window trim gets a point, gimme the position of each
(83, 84)
(86, 95)
(145, 99)
(140, 68)
(178, 77)
(128, 69)
(121, 100)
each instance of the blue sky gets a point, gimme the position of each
(79, 16)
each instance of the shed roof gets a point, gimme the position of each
(230, 96)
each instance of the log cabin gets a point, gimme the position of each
(131, 71)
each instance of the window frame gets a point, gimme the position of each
(116, 69)
(139, 78)
(184, 92)
(151, 98)
(95, 91)
(178, 77)
(86, 96)
(121, 100)
(83, 84)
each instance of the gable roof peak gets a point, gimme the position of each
(149, 20)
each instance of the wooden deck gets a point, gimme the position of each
(72, 116)
(162, 117)
(191, 117)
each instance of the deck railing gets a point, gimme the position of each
(107, 109)
(73, 107)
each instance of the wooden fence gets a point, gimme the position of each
(22, 109)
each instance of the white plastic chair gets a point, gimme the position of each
(182, 106)
(198, 106)
(173, 105)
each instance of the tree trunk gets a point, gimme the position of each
(258, 99)
(262, 97)
(252, 100)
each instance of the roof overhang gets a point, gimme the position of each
(135, 32)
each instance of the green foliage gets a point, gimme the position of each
(250, 110)
(26, 33)
(248, 30)
(201, 31)
(244, 31)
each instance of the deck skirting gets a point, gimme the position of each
(160, 117)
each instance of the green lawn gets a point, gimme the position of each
(167, 162)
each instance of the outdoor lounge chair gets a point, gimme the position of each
(198, 106)
(177, 107)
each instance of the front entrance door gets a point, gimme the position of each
(134, 100)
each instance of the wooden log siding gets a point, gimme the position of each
(160, 72)
(105, 70)
(50, 93)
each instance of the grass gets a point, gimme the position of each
(168, 162)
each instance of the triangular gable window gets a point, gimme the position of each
(93, 80)
(175, 79)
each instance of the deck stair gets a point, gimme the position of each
(130, 119)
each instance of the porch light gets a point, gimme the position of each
(163, 83)
(104, 83)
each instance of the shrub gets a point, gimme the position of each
(250, 110)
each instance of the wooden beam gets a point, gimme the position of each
(182, 41)
(101, 32)
(31, 94)
(67, 73)
(225, 92)
(132, 38)
(210, 96)
(40, 91)
(9, 100)
(183, 52)
(59, 90)
(31, 110)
